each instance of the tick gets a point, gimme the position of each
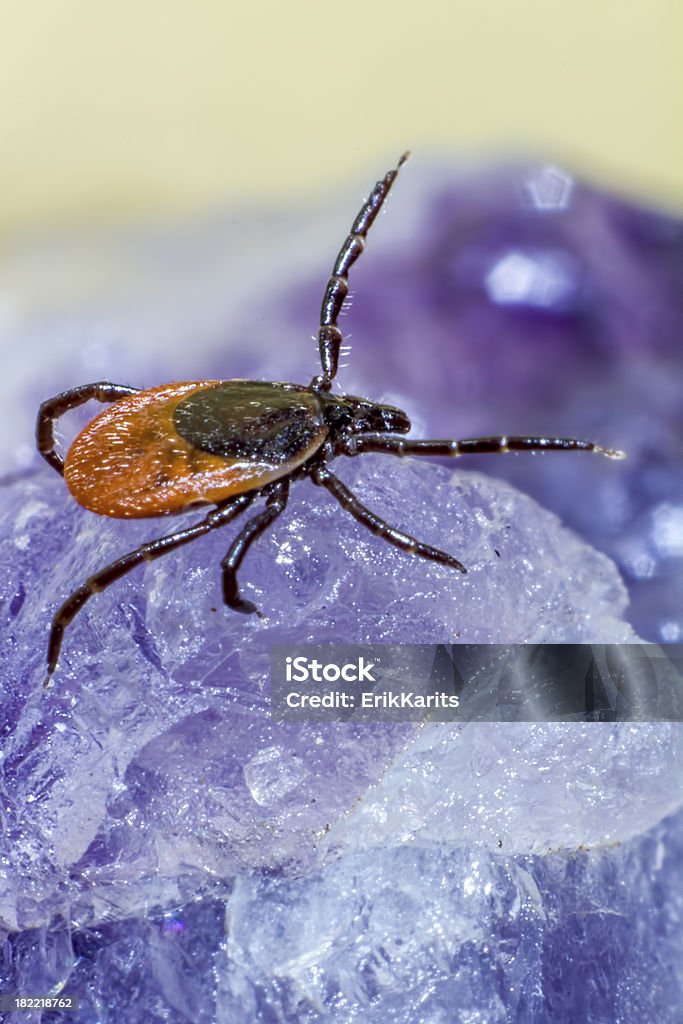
(231, 443)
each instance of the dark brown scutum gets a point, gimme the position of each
(250, 420)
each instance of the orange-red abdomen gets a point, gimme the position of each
(157, 452)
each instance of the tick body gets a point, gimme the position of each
(226, 444)
(158, 452)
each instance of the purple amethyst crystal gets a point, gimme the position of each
(168, 852)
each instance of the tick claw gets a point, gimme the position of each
(611, 453)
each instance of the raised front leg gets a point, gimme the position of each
(53, 408)
(474, 446)
(348, 500)
(145, 553)
(329, 335)
(275, 504)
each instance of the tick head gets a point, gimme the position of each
(359, 416)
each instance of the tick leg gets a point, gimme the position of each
(329, 335)
(348, 501)
(275, 504)
(473, 446)
(53, 408)
(145, 553)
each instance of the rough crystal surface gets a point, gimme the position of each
(157, 764)
(410, 934)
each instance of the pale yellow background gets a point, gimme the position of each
(133, 108)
